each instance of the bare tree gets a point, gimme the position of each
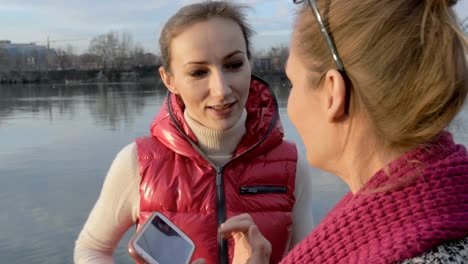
(66, 57)
(116, 50)
(105, 46)
(279, 55)
(271, 60)
(142, 58)
(89, 61)
(72, 57)
(123, 50)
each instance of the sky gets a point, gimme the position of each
(77, 22)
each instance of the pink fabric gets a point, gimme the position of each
(426, 206)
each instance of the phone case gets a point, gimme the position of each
(134, 252)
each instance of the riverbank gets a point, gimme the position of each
(74, 76)
(70, 76)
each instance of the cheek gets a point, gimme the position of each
(242, 86)
(191, 94)
(299, 112)
(293, 106)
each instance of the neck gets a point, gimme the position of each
(365, 168)
(363, 156)
(218, 145)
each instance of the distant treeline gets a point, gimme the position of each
(110, 57)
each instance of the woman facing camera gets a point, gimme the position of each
(216, 148)
(375, 84)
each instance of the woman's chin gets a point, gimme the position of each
(224, 122)
(223, 125)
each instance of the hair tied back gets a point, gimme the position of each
(449, 3)
(435, 15)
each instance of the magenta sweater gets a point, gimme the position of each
(426, 206)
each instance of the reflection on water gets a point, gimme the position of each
(57, 143)
(110, 105)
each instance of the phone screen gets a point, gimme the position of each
(163, 243)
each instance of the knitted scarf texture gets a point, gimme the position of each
(417, 203)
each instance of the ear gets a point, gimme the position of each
(168, 80)
(335, 90)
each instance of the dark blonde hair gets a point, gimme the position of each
(405, 59)
(199, 12)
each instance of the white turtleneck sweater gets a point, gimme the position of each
(218, 145)
(118, 205)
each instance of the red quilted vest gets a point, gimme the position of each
(179, 182)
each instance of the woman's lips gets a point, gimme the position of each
(222, 110)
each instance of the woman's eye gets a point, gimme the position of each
(197, 73)
(235, 65)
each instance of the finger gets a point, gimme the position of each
(257, 240)
(199, 261)
(236, 226)
(238, 223)
(261, 247)
(241, 217)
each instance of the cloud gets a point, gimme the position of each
(272, 33)
(35, 21)
(461, 8)
(284, 10)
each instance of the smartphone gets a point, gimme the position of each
(159, 241)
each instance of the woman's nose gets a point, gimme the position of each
(220, 87)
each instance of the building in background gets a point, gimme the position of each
(27, 55)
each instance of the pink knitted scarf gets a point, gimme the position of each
(403, 222)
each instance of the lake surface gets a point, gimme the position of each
(56, 144)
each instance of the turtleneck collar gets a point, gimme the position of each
(218, 144)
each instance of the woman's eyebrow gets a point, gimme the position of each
(205, 62)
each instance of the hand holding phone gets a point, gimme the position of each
(159, 241)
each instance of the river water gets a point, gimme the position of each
(56, 144)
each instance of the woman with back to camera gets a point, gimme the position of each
(216, 148)
(375, 84)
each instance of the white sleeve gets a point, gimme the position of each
(115, 211)
(303, 222)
